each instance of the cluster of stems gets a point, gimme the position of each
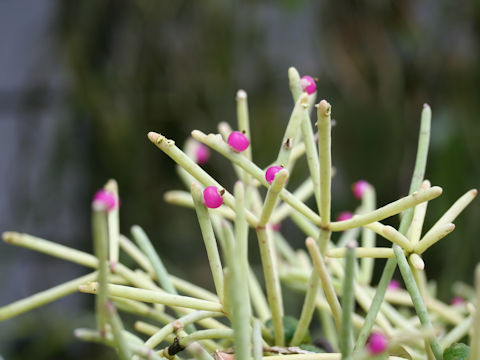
(334, 270)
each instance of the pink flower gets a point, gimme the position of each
(308, 84)
(104, 200)
(238, 141)
(212, 197)
(345, 215)
(202, 154)
(359, 188)
(377, 343)
(271, 173)
(394, 285)
(457, 300)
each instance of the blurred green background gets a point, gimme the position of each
(82, 82)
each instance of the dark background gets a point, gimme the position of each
(82, 82)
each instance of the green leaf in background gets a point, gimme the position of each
(290, 325)
(458, 351)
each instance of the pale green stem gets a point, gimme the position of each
(368, 237)
(198, 352)
(257, 340)
(258, 297)
(169, 148)
(417, 300)
(284, 247)
(100, 241)
(397, 238)
(331, 356)
(243, 119)
(192, 290)
(216, 143)
(415, 230)
(475, 338)
(121, 344)
(146, 246)
(328, 327)
(160, 334)
(272, 197)
(139, 308)
(134, 252)
(299, 111)
(94, 336)
(238, 262)
(416, 262)
(208, 334)
(302, 193)
(434, 236)
(326, 282)
(225, 130)
(153, 297)
(272, 283)
(294, 81)
(324, 155)
(113, 222)
(209, 240)
(307, 310)
(457, 333)
(305, 225)
(348, 303)
(386, 211)
(51, 248)
(362, 253)
(44, 297)
(451, 214)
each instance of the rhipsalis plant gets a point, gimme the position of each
(359, 319)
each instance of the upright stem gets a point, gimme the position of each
(475, 338)
(348, 303)
(100, 239)
(324, 155)
(121, 344)
(113, 222)
(368, 236)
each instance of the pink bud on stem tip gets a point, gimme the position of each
(212, 197)
(345, 215)
(271, 173)
(202, 154)
(359, 188)
(104, 200)
(238, 141)
(308, 84)
(377, 343)
(394, 285)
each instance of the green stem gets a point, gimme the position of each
(324, 110)
(100, 240)
(434, 236)
(240, 298)
(44, 297)
(209, 240)
(326, 282)
(307, 310)
(257, 340)
(113, 222)
(386, 211)
(457, 333)
(294, 81)
(160, 334)
(153, 297)
(368, 237)
(121, 344)
(134, 252)
(348, 303)
(416, 299)
(272, 197)
(302, 193)
(272, 283)
(146, 246)
(291, 131)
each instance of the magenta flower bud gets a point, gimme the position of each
(377, 343)
(238, 141)
(359, 188)
(457, 300)
(202, 154)
(345, 215)
(212, 197)
(308, 84)
(394, 285)
(276, 227)
(271, 172)
(104, 200)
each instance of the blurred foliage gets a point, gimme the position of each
(171, 66)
